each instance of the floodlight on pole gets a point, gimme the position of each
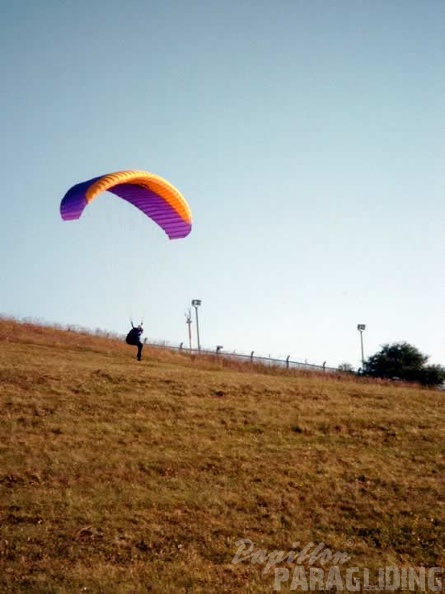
(196, 303)
(361, 328)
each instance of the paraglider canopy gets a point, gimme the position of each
(153, 195)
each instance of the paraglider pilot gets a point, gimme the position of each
(134, 339)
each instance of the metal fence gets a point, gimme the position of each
(267, 361)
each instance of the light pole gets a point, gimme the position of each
(188, 317)
(361, 328)
(196, 303)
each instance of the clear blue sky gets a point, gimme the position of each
(306, 135)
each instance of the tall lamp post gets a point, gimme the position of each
(361, 328)
(188, 317)
(196, 303)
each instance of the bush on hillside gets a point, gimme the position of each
(405, 362)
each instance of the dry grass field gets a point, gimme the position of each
(120, 477)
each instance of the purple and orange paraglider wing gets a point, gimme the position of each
(153, 195)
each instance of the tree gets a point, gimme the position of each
(404, 361)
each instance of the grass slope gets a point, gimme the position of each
(126, 477)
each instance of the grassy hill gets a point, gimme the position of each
(126, 477)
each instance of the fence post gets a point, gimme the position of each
(287, 361)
